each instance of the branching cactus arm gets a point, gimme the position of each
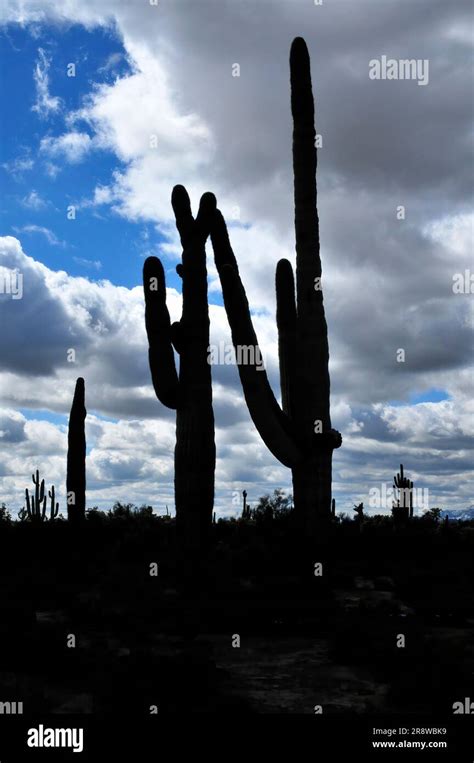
(158, 328)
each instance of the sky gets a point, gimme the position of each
(107, 104)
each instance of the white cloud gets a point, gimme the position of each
(45, 103)
(33, 201)
(113, 60)
(72, 146)
(16, 167)
(455, 233)
(46, 232)
(92, 264)
(137, 119)
(440, 422)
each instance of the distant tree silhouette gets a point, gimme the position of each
(273, 505)
(300, 435)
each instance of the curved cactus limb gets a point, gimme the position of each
(158, 328)
(273, 425)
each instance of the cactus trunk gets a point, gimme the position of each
(311, 478)
(190, 391)
(76, 456)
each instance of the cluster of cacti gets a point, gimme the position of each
(403, 508)
(299, 434)
(190, 392)
(36, 504)
(76, 456)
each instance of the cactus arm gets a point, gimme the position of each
(185, 223)
(272, 424)
(41, 511)
(194, 323)
(35, 501)
(158, 329)
(286, 324)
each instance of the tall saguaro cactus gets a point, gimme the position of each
(300, 434)
(190, 391)
(76, 456)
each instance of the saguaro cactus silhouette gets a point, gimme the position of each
(36, 507)
(190, 393)
(36, 504)
(405, 493)
(300, 435)
(54, 508)
(245, 508)
(76, 456)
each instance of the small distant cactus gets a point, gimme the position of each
(54, 509)
(245, 507)
(36, 504)
(404, 504)
(36, 507)
(333, 508)
(359, 510)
